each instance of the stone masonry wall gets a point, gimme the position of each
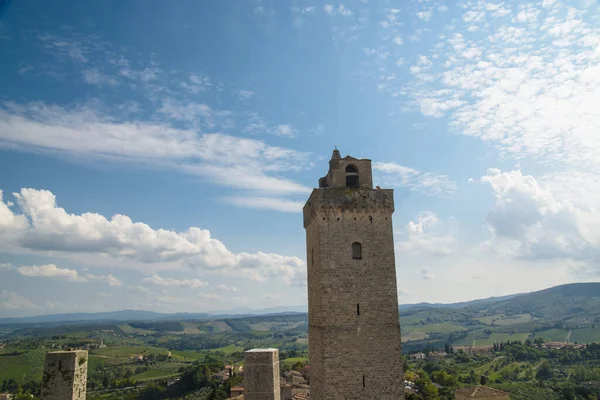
(354, 328)
(65, 375)
(261, 375)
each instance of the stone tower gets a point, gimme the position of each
(65, 375)
(261, 374)
(354, 328)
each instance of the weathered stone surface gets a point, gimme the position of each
(354, 328)
(261, 374)
(65, 375)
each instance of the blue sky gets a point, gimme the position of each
(157, 155)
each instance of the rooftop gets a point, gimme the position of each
(261, 350)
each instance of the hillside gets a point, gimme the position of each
(567, 312)
(562, 313)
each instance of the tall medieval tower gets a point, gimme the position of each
(354, 327)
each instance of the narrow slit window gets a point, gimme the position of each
(312, 257)
(357, 309)
(363, 381)
(60, 365)
(356, 251)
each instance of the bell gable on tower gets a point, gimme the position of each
(347, 173)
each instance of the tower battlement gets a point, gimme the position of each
(335, 202)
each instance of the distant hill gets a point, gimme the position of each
(471, 303)
(569, 300)
(141, 315)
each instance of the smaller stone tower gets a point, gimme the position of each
(261, 374)
(65, 375)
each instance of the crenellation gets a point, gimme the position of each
(349, 203)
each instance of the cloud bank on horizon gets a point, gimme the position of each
(168, 171)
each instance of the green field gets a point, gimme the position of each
(190, 328)
(153, 374)
(407, 337)
(29, 365)
(471, 340)
(232, 348)
(130, 351)
(585, 335)
(187, 354)
(214, 327)
(444, 327)
(554, 335)
(500, 319)
(291, 361)
(131, 330)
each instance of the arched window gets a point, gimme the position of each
(356, 251)
(351, 177)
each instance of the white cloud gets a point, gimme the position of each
(14, 301)
(190, 283)
(245, 94)
(429, 183)
(51, 271)
(344, 11)
(527, 221)
(284, 130)
(425, 15)
(227, 288)
(90, 237)
(144, 75)
(420, 240)
(269, 203)
(196, 114)
(528, 87)
(108, 279)
(96, 77)
(329, 9)
(196, 83)
(427, 275)
(64, 48)
(398, 40)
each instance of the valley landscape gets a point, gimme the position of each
(502, 342)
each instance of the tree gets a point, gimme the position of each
(472, 377)
(544, 371)
(151, 392)
(483, 380)
(12, 386)
(429, 391)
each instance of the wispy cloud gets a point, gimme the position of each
(268, 203)
(429, 183)
(14, 301)
(85, 132)
(190, 283)
(94, 76)
(52, 271)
